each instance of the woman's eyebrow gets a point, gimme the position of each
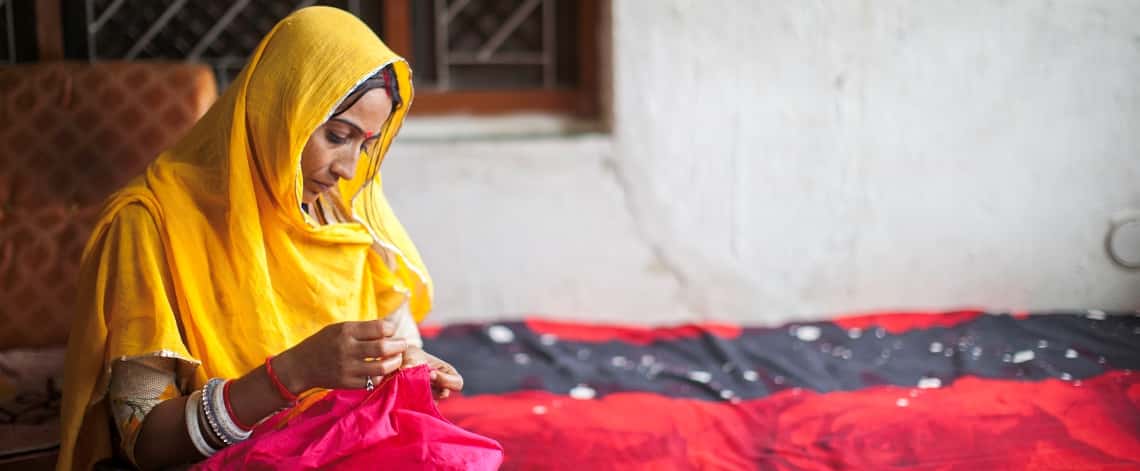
(350, 123)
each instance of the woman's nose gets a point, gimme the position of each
(344, 168)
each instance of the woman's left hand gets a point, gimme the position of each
(444, 377)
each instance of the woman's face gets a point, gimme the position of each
(334, 148)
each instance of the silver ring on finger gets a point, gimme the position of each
(368, 385)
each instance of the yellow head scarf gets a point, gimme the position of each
(228, 269)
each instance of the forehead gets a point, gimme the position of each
(370, 111)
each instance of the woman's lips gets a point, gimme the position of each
(321, 187)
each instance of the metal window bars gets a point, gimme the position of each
(219, 33)
(451, 51)
(477, 43)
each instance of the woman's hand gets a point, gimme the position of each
(444, 377)
(341, 356)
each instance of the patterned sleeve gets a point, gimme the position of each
(137, 386)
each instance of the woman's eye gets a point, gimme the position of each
(336, 139)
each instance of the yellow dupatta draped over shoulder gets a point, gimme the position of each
(207, 257)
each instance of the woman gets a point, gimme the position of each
(258, 251)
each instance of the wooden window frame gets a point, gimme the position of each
(582, 101)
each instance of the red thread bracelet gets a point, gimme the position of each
(281, 389)
(230, 409)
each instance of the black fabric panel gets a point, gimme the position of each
(824, 357)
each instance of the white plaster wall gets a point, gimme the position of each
(511, 227)
(779, 160)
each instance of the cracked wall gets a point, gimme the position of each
(516, 227)
(780, 160)
(809, 159)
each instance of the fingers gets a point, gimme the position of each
(370, 330)
(390, 365)
(377, 368)
(447, 380)
(388, 328)
(413, 360)
(379, 348)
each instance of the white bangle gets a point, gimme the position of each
(227, 430)
(193, 428)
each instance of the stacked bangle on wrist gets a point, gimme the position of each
(217, 417)
(193, 405)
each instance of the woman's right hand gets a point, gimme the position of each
(341, 356)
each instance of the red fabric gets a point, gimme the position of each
(396, 426)
(580, 332)
(972, 424)
(897, 323)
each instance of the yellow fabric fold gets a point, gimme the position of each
(208, 257)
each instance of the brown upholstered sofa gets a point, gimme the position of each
(70, 134)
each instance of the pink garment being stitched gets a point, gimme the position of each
(395, 426)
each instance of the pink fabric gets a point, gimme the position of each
(396, 426)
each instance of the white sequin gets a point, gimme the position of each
(902, 402)
(619, 362)
(547, 339)
(936, 347)
(1066, 376)
(1023, 356)
(726, 394)
(750, 376)
(539, 410)
(522, 358)
(1042, 344)
(1096, 314)
(1070, 353)
(582, 391)
(500, 334)
(855, 332)
(929, 383)
(808, 333)
(700, 376)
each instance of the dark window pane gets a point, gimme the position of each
(423, 43)
(17, 31)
